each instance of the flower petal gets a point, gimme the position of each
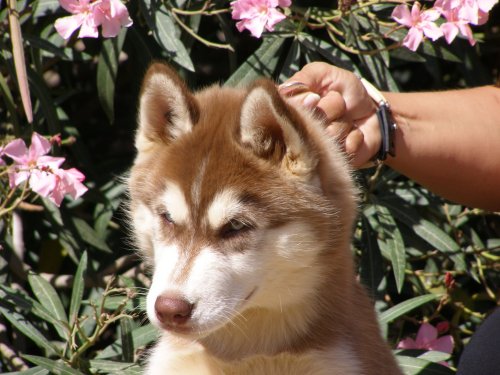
(450, 31)
(401, 15)
(66, 26)
(39, 146)
(42, 183)
(413, 39)
(431, 30)
(427, 333)
(443, 344)
(17, 150)
(407, 343)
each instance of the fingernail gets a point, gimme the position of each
(292, 88)
(287, 85)
(311, 100)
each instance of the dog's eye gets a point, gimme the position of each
(167, 217)
(234, 227)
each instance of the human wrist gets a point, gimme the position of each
(387, 125)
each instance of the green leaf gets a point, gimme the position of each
(103, 365)
(9, 103)
(48, 298)
(394, 243)
(77, 292)
(168, 37)
(55, 367)
(27, 329)
(141, 336)
(107, 70)
(45, 45)
(406, 306)
(291, 63)
(44, 7)
(262, 62)
(423, 228)
(328, 51)
(414, 366)
(89, 235)
(32, 371)
(435, 356)
(434, 50)
(41, 91)
(24, 302)
(371, 265)
(127, 341)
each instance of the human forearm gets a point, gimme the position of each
(450, 142)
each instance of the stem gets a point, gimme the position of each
(206, 42)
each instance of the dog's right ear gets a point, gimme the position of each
(167, 109)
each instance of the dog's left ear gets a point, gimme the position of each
(167, 108)
(275, 132)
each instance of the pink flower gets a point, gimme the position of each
(27, 159)
(43, 172)
(67, 182)
(112, 15)
(2, 162)
(460, 13)
(420, 23)
(427, 338)
(454, 25)
(88, 15)
(257, 15)
(83, 18)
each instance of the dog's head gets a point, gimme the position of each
(238, 202)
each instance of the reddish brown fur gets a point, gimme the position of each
(343, 310)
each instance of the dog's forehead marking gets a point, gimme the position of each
(196, 187)
(225, 205)
(175, 202)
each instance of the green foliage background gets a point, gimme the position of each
(71, 287)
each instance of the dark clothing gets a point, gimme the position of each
(481, 356)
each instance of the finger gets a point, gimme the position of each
(292, 88)
(308, 100)
(354, 141)
(372, 140)
(339, 130)
(332, 105)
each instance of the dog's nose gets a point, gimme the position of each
(173, 309)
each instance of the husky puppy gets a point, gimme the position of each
(244, 209)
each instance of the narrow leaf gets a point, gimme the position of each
(103, 365)
(27, 329)
(371, 266)
(167, 36)
(328, 51)
(9, 103)
(43, 94)
(141, 336)
(55, 367)
(424, 228)
(263, 62)
(24, 302)
(127, 341)
(33, 371)
(45, 7)
(107, 70)
(77, 292)
(406, 306)
(89, 235)
(394, 242)
(47, 296)
(414, 366)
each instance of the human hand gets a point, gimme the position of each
(342, 98)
